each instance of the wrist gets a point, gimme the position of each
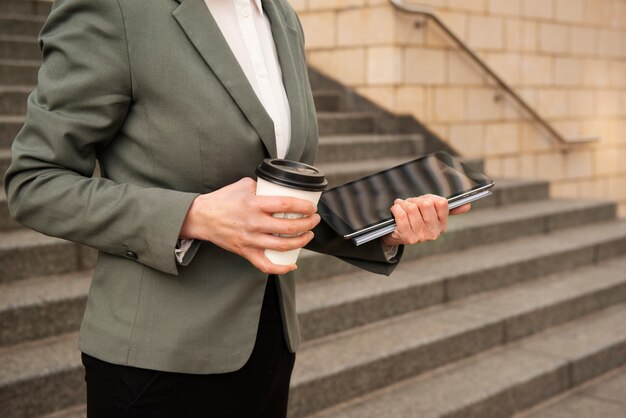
(192, 225)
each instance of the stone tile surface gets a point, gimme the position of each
(537, 305)
(582, 407)
(388, 351)
(593, 348)
(612, 389)
(460, 392)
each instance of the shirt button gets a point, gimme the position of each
(131, 255)
(261, 73)
(245, 12)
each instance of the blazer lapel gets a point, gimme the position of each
(197, 22)
(286, 40)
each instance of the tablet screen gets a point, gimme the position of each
(366, 202)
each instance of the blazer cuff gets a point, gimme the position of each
(164, 232)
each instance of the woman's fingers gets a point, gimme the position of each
(461, 209)
(420, 219)
(429, 214)
(412, 212)
(271, 225)
(403, 225)
(440, 205)
(425, 220)
(260, 261)
(284, 204)
(415, 229)
(276, 243)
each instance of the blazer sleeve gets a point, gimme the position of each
(83, 94)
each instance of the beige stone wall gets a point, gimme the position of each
(566, 57)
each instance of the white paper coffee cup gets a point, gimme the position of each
(276, 177)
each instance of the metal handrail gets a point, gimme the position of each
(425, 11)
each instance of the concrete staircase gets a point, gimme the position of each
(521, 301)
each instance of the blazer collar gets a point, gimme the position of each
(203, 32)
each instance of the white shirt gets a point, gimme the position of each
(248, 33)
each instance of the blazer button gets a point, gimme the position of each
(131, 254)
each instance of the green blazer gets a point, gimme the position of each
(151, 90)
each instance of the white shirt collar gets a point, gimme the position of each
(257, 2)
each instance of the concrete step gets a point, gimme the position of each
(19, 47)
(6, 222)
(25, 253)
(329, 305)
(327, 100)
(79, 411)
(343, 302)
(476, 164)
(5, 160)
(601, 397)
(508, 191)
(386, 351)
(475, 228)
(495, 384)
(26, 306)
(19, 72)
(20, 24)
(13, 99)
(346, 123)
(315, 267)
(345, 148)
(31, 7)
(40, 377)
(9, 127)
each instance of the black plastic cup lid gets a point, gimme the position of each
(293, 174)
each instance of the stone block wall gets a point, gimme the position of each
(567, 58)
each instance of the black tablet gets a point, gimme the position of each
(363, 206)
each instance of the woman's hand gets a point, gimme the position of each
(420, 219)
(239, 221)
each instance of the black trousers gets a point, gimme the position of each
(258, 390)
